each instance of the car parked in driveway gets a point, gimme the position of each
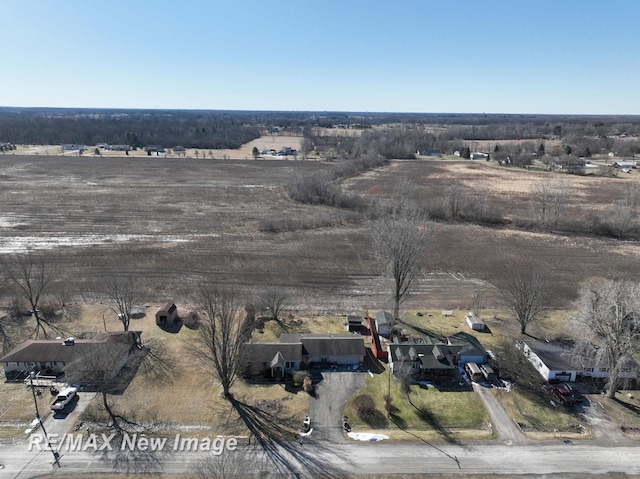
(563, 395)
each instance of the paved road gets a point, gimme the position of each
(321, 460)
(502, 424)
(332, 394)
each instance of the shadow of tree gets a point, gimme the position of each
(631, 407)
(132, 460)
(428, 417)
(402, 425)
(281, 443)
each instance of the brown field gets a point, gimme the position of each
(170, 221)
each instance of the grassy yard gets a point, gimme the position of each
(432, 412)
(536, 416)
(624, 411)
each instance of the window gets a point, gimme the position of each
(588, 370)
(604, 370)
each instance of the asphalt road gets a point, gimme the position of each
(331, 396)
(331, 460)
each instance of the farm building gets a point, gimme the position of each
(167, 315)
(384, 323)
(474, 322)
(379, 352)
(354, 324)
(555, 362)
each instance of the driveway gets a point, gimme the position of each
(332, 394)
(505, 428)
(61, 422)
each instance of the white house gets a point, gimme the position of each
(555, 362)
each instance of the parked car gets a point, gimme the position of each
(573, 392)
(562, 395)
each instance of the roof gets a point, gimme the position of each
(384, 317)
(556, 355)
(473, 319)
(430, 356)
(471, 345)
(167, 307)
(327, 344)
(266, 352)
(352, 319)
(55, 350)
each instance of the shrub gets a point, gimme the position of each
(364, 407)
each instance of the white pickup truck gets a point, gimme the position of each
(64, 397)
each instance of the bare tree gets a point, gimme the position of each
(549, 199)
(609, 320)
(223, 332)
(453, 197)
(274, 300)
(623, 212)
(526, 293)
(123, 295)
(102, 368)
(400, 238)
(31, 275)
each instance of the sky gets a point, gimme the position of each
(426, 56)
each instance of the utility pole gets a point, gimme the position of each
(56, 456)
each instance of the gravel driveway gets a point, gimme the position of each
(506, 429)
(332, 394)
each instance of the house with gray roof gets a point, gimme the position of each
(299, 351)
(426, 357)
(50, 356)
(555, 362)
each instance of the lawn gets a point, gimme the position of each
(431, 412)
(537, 418)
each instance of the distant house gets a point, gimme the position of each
(50, 356)
(556, 362)
(474, 322)
(476, 155)
(384, 323)
(168, 314)
(300, 351)
(73, 147)
(157, 149)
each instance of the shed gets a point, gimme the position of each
(384, 323)
(474, 322)
(354, 324)
(167, 315)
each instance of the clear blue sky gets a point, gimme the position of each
(511, 56)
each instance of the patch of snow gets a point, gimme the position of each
(364, 436)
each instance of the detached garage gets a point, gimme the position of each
(167, 315)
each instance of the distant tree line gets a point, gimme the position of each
(136, 129)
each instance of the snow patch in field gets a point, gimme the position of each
(18, 244)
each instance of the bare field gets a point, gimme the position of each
(170, 221)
